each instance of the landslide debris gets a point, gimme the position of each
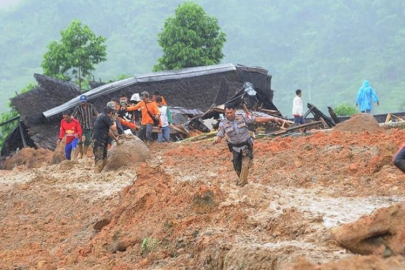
(359, 123)
(181, 208)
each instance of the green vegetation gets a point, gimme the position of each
(345, 110)
(75, 55)
(5, 116)
(190, 39)
(148, 245)
(326, 48)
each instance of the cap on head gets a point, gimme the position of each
(135, 97)
(144, 95)
(111, 105)
(83, 98)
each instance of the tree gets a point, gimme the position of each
(345, 110)
(75, 55)
(190, 38)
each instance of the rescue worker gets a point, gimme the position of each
(126, 117)
(365, 97)
(165, 121)
(235, 128)
(150, 115)
(104, 126)
(135, 98)
(157, 94)
(71, 128)
(85, 113)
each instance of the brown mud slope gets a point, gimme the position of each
(359, 123)
(182, 210)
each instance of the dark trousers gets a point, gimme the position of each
(298, 120)
(237, 158)
(99, 151)
(145, 133)
(399, 159)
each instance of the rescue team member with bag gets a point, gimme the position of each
(73, 131)
(235, 127)
(150, 113)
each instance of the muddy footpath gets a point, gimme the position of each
(325, 200)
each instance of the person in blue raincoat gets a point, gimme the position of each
(365, 97)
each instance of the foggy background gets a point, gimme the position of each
(326, 48)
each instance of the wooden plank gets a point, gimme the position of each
(22, 134)
(398, 118)
(388, 118)
(269, 111)
(295, 128)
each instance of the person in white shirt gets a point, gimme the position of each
(298, 109)
(165, 120)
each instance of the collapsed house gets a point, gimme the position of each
(188, 91)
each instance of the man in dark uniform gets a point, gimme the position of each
(103, 127)
(235, 128)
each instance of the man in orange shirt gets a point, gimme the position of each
(71, 128)
(157, 94)
(150, 113)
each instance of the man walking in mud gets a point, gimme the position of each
(235, 128)
(71, 128)
(85, 113)
(365, 97)
(103, 129)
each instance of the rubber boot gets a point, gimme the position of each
(98, 167)
(80, 151)
(104, 162)
(246, 162)
(85, 148)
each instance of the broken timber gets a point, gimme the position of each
(303, 126)
(318, 115)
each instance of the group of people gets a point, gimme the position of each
(364, 101)
(137, 115)
(234, 127)
(142, 112)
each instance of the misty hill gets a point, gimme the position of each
(327, 47)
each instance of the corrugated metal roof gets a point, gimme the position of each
(150, 77)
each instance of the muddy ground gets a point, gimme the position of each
(182, 210)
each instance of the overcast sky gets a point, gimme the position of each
(4, 4)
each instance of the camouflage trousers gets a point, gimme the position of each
(100, 155)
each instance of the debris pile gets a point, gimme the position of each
(129, 153)
(181, 208)
(359, 123)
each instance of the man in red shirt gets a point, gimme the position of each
(71, 128)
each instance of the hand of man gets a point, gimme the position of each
(58, 141)
(278, 120)
(119, 142)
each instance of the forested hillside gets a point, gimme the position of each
(327, 47)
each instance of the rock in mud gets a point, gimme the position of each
(382, 232)
(128, 154)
